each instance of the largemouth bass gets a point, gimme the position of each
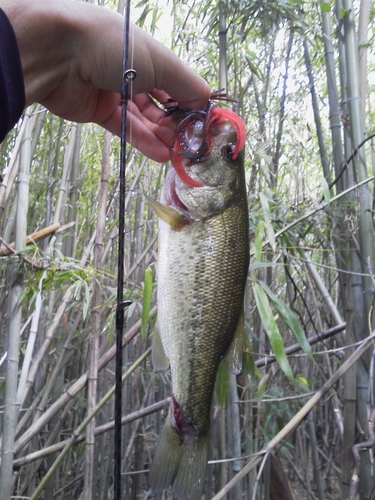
(202, 268)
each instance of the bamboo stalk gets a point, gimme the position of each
(318, 122)
(234, 429)
(64, 182)
(318, 480)
(11, 408)
(30, 343)
(334, 107)
(95, 331)
(362, 302)
(277, 154)
(69, 246)
(223, 66)
(363, 25)
(7, 183)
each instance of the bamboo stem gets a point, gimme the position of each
(34, 237)
(12, 406)
(95, 331)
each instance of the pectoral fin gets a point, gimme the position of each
(168, 214)
(159, 358)
(233, 356)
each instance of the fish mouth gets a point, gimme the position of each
(195, 135)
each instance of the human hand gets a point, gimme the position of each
(71, 55)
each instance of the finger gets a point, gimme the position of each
(159, 66)
(149, 138)
(147, 142)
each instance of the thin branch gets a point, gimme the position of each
(297, 347)
(321, 206)
(45, 452)
(346, 162)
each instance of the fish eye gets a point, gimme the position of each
(227, 151)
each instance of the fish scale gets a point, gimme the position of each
(211, 281)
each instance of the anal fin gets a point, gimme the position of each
(158, 356)
(233, 357)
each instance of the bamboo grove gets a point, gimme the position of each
(298, 422)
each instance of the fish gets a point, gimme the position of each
(203, 260)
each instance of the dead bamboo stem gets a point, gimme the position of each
(298, 417)
(32, 238)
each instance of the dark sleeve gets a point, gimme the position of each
(12, 90)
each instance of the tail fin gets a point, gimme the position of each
(192, 469)
(182, 464)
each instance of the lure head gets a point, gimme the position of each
(208, 161)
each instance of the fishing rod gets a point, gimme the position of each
(128, 75)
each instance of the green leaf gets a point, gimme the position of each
(249, 367)
(326, 7)
(258, 242)
(326, 192)
(130, 310)
(272, 329)
(267, 219)
(147, 293)
(262, 265)
(344, 12)
(262, 386)
(222, 385)
(86, 300)
(302, 382)
(142, 18)
(290, 319)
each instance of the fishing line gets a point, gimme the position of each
(128, 76)
(131, 85)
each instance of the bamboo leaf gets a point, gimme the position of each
(249, 367)
(325, 6)
(267, 219)
(262, 386)
(302, 382)
(272, 329)
(147, 293)
(258, 242)
(262, 265)
(290, 319)
(86, 300)
(326, 192)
